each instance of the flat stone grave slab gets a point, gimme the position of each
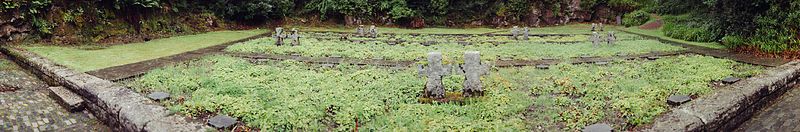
(600, 127)
(71, 101)
(731, 80)
(221, 121)
(678, 99)
(542, 66)
(158, 96)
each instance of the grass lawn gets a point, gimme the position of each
(93, 59)
(659, 34)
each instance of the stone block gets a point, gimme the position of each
(71, 101)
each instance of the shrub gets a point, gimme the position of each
(635, 18)
(733, 41)
(690, 28)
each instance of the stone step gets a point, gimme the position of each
(69, 100)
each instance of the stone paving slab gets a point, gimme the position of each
(782, 116)
(33, 111)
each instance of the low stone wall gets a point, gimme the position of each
(117, 106)
(731, 105)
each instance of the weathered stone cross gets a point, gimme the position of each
(360, 30)
(514, 32)
(278, 36)
(434, 71)
(611, 38)
(595, 38)
(594, 26)
(373, 31)
(473, 69)
(295, 37)
(526, 33)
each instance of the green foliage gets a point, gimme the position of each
(690, 28)
(634, 91)
(6, 65)
(253, 9)
(733, 41)
(289, 95)
(121, 4)
(635, 18)
(409, 51)
(42, 26)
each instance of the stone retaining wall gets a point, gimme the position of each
(731, 105)
(117, 106)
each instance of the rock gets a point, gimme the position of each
(678, 99)
(600, 127)
(73, 102)
(473, 69)
(730, 80)
(158, 96)
(221, 121)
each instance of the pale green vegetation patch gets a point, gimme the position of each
(6, 64)
(451, 50)
(565, 29)
(633, 92)
(84, 59)
(290, 95)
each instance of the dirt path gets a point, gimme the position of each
(139, 68)
(740, 57)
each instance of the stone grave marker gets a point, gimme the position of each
(373, 31)
(730, 80)
(600, 127)
(515, 32)
(526, 33)
(428, 43)
(221, 121)
(158, 96)
(678, 99)
(360, 30)
(295, 37)
(542, 66)
(434, 88)
(278, 36)
(594, 26)
(595, 38)
(611, 38)
(473, 69)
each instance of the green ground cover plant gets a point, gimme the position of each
(626, 93)
(564, 29)
(451, 50)
(290, 95)
(6, 64)
(83, 59)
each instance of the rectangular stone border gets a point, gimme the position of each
(117, 106)
(732, 105)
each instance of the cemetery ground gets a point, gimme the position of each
(335, 79)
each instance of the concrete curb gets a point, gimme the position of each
(117, 106)
(732, 105)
